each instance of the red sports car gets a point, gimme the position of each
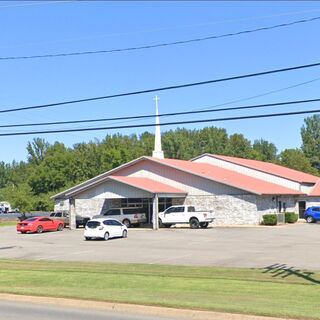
(39, 224)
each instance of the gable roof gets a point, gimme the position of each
(228, 177)
(203, 170)
(147, 184)
(315, 192)
(268, 167)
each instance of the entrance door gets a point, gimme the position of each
(302, 208)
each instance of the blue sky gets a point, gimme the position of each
(31, 28)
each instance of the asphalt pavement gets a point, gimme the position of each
(296, 246)
(31, 311)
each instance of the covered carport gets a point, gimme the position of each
(123, 191)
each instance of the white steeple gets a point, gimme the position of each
(157, 152)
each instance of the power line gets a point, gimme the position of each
(207, 110)
(264, 94)
(180, 86)
(164, 44)
(35, 4)
(270, 115)
(203, 24)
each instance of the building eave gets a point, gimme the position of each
(93, 181)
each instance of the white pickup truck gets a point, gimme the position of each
(185, 215)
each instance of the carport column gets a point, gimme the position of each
(155, 213)
(72, 214)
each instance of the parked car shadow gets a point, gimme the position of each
(284, 271)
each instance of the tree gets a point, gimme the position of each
(4, 170)
(310, 133)
(264, 150)
(37, 150)
(295, 159)
(238, 146)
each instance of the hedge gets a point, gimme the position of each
(270, 219)
(291, 217)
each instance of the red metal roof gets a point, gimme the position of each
(228, 177)
(147, 184)
(271, 168)
(315, 192)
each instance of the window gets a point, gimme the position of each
(113, 212)
(112, 223)
(58, 214)
(44, 219)
(93, 224)
(284, 206)
(191, 209)
(279, 206)
(130, 211)
(171, 210)
(179, 209)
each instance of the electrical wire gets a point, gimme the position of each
(164, 44)
(270, 115)
(207, 110)
(180, 86)
(137, 32)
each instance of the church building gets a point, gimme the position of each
(238, 191)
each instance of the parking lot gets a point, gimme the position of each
(295, 246)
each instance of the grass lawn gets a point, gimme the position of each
(8, 223)
(274, 292)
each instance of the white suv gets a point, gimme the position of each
(128, 216)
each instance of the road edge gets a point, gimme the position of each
(134, 309)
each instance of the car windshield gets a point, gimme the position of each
(93, 224)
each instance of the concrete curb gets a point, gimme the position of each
(134, 309)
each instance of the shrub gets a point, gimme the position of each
(270, 219)
(291, 217)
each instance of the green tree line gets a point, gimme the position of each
(51, 168)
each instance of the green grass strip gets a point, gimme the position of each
(272, 292)
(4, 223)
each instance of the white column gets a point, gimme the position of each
(155, 214)
(72, 214)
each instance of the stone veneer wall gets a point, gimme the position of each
(91, 207)
(228, 210)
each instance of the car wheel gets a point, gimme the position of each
(60, 227)
(126, 222)
(124, 233)
(309, 219)
(204, 224)
(194, 223)
(160, 223)
(87, 238)
(39, 229)
(106, 236)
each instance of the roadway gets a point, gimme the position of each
(34, 311)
